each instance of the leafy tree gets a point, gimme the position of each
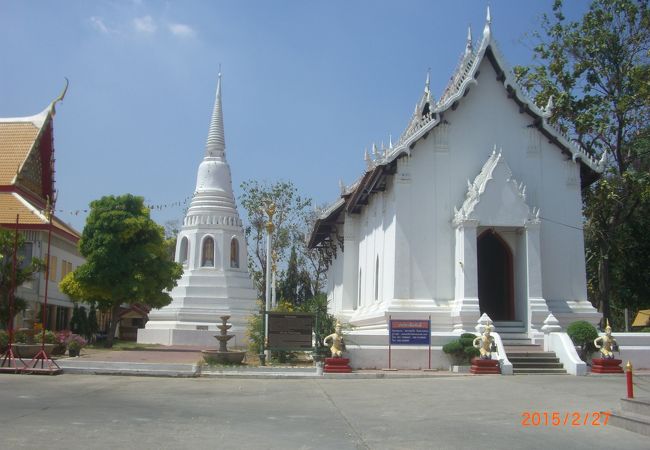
(315, 261)
(288, 288)
(92, 325)
(126, 259)
(25, 271)
(75, 320)
(597, 72)
(325, 322)
(290, 209)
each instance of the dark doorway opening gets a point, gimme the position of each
(495, 277)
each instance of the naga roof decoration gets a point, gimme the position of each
(428, 115)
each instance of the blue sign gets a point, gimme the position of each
(410, 332)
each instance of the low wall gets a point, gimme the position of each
(368, 349)
(633, 347)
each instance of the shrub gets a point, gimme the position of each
(76, 342)
(4, 340)
(461, 350)
(582, 333)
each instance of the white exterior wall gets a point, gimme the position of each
(414, 236)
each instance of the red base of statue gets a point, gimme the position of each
(337, 365)
(603, 365)
(485, 366)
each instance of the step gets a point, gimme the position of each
(508, 323)
(638, 423)
(516, 342)
(542, 355)
(636, 406)
(525, 348)
(517, 371)
(537, 365)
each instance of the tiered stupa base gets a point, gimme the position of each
(485, 366)
(610, 365)
(337, 365)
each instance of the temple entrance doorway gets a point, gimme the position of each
(495, 277)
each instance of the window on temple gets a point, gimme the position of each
(207, 253)
(377, 278)
(52, 268)
(359, 295)
(182, 258)
(234, 253)
(25, 254)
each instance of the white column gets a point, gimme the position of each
(537, 307)
(403, 235)
(350, 262)
(466, 307)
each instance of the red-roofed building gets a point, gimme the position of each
(26, 185)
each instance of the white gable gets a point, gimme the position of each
(495, 198)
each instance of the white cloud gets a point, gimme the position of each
(144, 24)
(181, 30)
(99, 25)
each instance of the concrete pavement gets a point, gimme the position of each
(81, 411)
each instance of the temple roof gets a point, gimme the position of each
(27, 170)
(428, 114)
(30, 217)
(16, 142)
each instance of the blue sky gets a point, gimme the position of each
(307, 85)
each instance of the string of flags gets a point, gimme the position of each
(151, 206)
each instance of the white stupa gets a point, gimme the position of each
(212, 248)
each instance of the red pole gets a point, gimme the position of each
(47, 276)
(429, 342)
(630, 385)
(389, 331)
(12, 297)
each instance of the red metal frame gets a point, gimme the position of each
(47, 364)
(8, 363)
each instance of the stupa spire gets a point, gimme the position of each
(216, 144)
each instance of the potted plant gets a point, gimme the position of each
(60, 343)
(461, 351)
(75, 344)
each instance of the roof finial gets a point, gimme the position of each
(427, 83)
(216, 145)
(488, 23)
(390, 140)
(468, 46)
(61, 95)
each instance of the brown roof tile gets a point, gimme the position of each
(16, 140)
(10, 205)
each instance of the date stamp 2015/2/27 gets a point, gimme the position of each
(564, 419)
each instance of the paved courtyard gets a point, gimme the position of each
(91, 411)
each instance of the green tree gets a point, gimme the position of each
(126, 259)
(597, 71)
(288, 288)
(290, 209)
(93, 326)
(25, 271)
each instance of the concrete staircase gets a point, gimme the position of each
(526, 358)
(513, 333)
(633, 416)
(534, 362)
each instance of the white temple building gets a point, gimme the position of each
(476, 209)
(212, 248)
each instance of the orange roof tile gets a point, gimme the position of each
(11, 204)
(16, 140)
